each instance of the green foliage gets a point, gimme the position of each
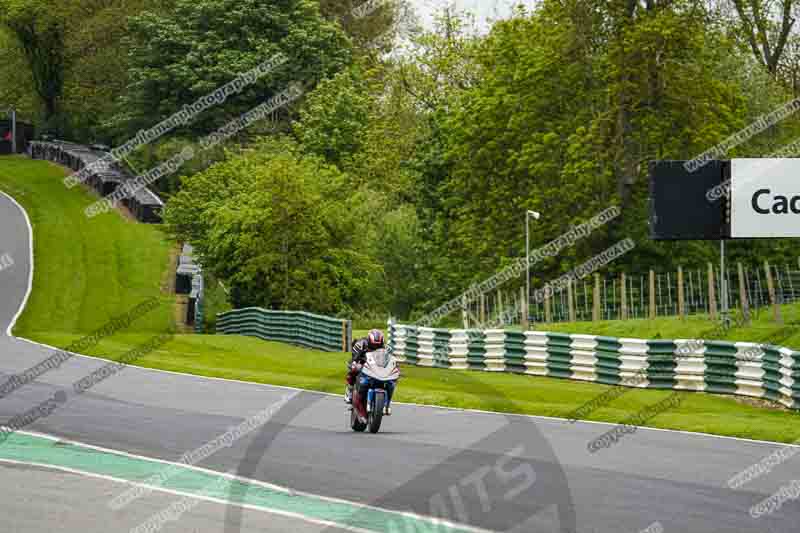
(215, 301)
(573, 101)
(281, 229)
(39, 27)
(98, 63)
(20, 91)
(362, 122)
(68, 60)
(401, 252)
(196, 47)
(333, 121)
(374, 32)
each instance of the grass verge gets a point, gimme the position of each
(762, 328)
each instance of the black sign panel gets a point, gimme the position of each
(680, 207)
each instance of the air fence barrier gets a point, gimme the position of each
(197, 304)
(292, 327)
(719, 367)
(144, 204)
(189, 281)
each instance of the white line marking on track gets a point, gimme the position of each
(289, 514)
(255, 482)
(30, 272)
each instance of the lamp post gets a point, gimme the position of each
(723, 283)
(13, 114)
(528, 215)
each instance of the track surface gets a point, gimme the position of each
(38, 500)
(424, 455)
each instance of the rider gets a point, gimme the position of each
(373, 341)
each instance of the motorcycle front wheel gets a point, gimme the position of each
(376, 415)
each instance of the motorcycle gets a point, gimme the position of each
(378, 378)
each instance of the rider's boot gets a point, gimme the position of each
(387, 410)
(348, 394)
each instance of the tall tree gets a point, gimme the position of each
(40, 26)
(371, 24)
(280, 228)
(98, 63)
(75, 57)
(197, 47)
(767, 25)
(565, 124)
(16, 84)
(789, 67)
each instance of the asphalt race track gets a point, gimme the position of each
(487, 471)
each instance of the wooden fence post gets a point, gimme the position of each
(483, 309)
(743, 294)
(596, 299)
(712, 293)
(548, 315)
(771, 288)
(681, 308)
(623, 298)
(464, 313)
(571, 302)
(499, 303)
(523, 298)
(652, 295)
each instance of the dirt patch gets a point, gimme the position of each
(181, 308)
(168, 281)
(762, 402)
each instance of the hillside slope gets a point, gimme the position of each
(86, 271)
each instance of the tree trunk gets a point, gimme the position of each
(626, 156)
(44, 52)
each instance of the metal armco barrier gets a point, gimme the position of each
(292, 327)
(739, 368)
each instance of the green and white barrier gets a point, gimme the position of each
(536, 353)
(292, 327)
(744, 369)
(494, 344)
(459, 352)
(633, 365)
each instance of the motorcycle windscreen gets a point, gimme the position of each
(381, 358)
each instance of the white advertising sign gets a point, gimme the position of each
(765, 198)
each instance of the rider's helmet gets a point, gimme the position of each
(375, 339)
